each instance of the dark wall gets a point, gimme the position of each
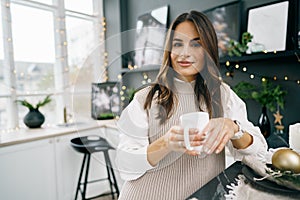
(131, 9)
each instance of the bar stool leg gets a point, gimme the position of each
(108, 163)
(108, 174)
(80, 176)
(86, 176)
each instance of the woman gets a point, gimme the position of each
(151, 156)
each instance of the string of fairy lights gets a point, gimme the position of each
(252, 75)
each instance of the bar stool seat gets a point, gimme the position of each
(88, 145)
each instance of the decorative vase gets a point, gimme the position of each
(264, 123)
(34, 119)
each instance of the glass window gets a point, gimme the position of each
(34, 49)
(33, 34)
(81, 60)
(80, 37)
(83, 6)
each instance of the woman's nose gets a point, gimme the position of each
(185, 51)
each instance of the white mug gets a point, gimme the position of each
(196, 120)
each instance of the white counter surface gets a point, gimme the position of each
(26, 135)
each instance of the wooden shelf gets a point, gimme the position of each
(261, 56)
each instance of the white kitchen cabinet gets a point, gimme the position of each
(48, 169)
(27, 171)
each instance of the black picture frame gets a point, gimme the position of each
(105, 101)
(269, 28)
(226, 20)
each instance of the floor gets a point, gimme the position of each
(106, 198)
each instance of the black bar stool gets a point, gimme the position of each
(88, 145)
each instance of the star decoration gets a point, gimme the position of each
(278, 117)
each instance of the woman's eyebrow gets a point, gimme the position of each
(177, 39)
(197, 38)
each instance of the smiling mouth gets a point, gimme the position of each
(185, 63)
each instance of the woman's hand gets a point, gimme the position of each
(174, 139)
(219, 131)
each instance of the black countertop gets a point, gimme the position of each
(216, 188)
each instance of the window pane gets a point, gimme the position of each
(80, 38)
(34, 77)
(33, 49)
(81, 60)
(83, 6)
(33, 34)
(81, 111)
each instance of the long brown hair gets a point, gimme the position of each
(207, 86)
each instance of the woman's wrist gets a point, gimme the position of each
(157, 150)
(238, 131)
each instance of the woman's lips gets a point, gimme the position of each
(185, 63)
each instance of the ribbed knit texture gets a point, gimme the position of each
(178, 175)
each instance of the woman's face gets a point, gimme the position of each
(187, 54)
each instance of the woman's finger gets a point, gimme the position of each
(222, 144)
(180, 137)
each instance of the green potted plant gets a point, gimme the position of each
(238, 48)
(267, 95)
(34, 118)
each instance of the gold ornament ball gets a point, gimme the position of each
(286, 160)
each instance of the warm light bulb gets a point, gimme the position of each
(227, 63)
(252, 76)
(237, 66)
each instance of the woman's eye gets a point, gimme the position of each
(177, 44)
(195, 44)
